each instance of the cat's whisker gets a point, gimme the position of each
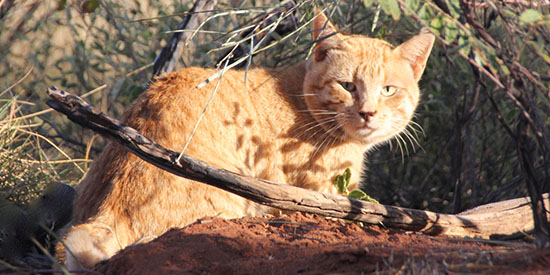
(410, 138)
(312, 126)
(318, 127)
(413, 132)
(318, 112)
(319, 120)
(411, 124)
(312, 110)
(416, 128)
(402, 144)
(414, 138)
(324, 113)
(335, 139)
(404, 132)
(316, 123)
(415, 124)
(328, 136)
(303, 95)
(327, 122)
(318, 146)
(327, 133)
(401, 141)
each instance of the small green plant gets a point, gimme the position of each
(342, 184)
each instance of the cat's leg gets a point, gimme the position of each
(89, 244)
(228, 205)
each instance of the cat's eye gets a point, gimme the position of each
(349, 86)
(388, 90)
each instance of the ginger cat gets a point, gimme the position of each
(300, 126)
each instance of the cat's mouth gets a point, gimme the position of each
(362, 129)
(365, 130)
(366, 126)
(356, 127)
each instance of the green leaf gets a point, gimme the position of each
(540, 50)
(508, 13)
(498, 63)
(61, 4)
(371, 199)
(436, 24)
(530, 16)
(424, 13)
(360, 195)
(464, 46)
(412, 4)
(391, 7)
(368, 3)
(478, 58)
(357, 194)
(89, 6)
(340, 185)
(342, 181)
(454, 7)
(347, 175)
(451, 31)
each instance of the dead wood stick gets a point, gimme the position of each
(508, 218)
(169, 55)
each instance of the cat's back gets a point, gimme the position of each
(174, 102)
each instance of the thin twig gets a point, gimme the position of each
(202, 113)
(18, 81)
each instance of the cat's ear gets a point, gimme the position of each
(327, 34)
(417, 50)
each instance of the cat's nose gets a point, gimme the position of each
(366, 115)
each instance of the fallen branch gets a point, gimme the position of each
(511, 218)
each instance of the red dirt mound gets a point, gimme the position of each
(306, 244)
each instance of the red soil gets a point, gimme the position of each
(306, 244)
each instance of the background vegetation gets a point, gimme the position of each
(481, 129)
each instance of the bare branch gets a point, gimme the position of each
(169, 55)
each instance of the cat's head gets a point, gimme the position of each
(360, 88)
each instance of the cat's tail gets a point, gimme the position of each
(89, 244)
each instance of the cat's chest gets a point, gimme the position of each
(299, 163)
(314, 167)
